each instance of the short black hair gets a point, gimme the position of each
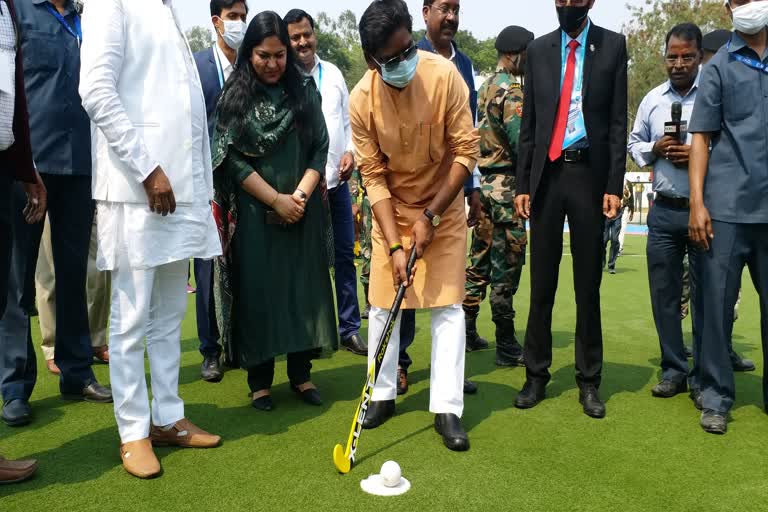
(380, 20)
(218, 6)
(427, 3)
(296, 16)
(686, 32)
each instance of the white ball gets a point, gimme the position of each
(391, 473)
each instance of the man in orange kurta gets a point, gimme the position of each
(415, 144)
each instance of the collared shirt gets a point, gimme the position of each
(59, 126)
(7, 76)
(654, 111)
(576, 93)
(732, 105)
(225, 66)
(333, 89)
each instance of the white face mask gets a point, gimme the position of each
(751, 18)
(234, 32)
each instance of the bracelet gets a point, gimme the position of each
(394, 248)
(277, 194)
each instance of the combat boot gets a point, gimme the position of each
(474, 341)
(367, 311)
(508, 349)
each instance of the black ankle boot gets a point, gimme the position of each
(508, 349)
(378, 413)
(474, 341)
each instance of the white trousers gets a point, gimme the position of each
(146, 304)
(446, 381)
(624, 222)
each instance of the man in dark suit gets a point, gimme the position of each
(572, 163)
(15, 164)
(214, 65)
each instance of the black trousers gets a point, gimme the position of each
(566, 189)
(207, 328)
(70, 212)
(299, 366)
(6, 187)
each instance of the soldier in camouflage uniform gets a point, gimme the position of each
(499, 241)
(360, 199)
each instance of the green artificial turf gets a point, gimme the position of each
(648, 454)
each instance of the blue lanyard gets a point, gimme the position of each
(752, 63)
(218, 67)
(320, 78)
(77, 33)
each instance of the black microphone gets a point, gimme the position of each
(677, 128)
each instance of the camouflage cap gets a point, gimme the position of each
(513, 39)
(715, 40)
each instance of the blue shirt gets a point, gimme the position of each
(654, 111)
(732, 105)
(59, 127)
(576, 96)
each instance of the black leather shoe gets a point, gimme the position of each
(378, 413)
(508, 361)
(16, 413)
(454, 436)
(742, 365)
(402, 381)
(668, 389)
(696, 398)
(263, 403)
(688, 351)
(356, 345)
(93, 392)
(713, 422)
(210, 371)
(470, 388)
(310, 396)
(589, 398)
(530, 396)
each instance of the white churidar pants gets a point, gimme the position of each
(146, 304)
(446, 382)
(624, 222)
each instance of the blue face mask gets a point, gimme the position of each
(402, 75)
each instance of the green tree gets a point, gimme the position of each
(199, 38)
(338, 41)
(482, 53)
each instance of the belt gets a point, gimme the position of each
(575, 155)
(681, 203)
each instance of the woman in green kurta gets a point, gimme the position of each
(273, 288)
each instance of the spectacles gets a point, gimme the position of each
(687, 60)
(391, 64)
(445, 10)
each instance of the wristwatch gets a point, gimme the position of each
(433, 218)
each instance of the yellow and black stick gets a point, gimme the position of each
(344, 458)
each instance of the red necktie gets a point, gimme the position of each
(561, 120)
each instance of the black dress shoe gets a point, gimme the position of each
(713, 422)
(310, 396)
(454, 436)
(696, 398)
(742, 365)
(16, 413)
(589, 398)
(668, 389)
(210, 371)
(93, 392)
(263, 403)
(530, 396)
(507, 361)
(378, 413)
(470, 388)
(402, 381)
(356, 345)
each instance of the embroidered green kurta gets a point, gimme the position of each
(274, 292)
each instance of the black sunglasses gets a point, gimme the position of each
(392, 63)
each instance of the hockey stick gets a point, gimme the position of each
(343, 459)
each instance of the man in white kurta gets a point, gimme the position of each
(152, 182)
